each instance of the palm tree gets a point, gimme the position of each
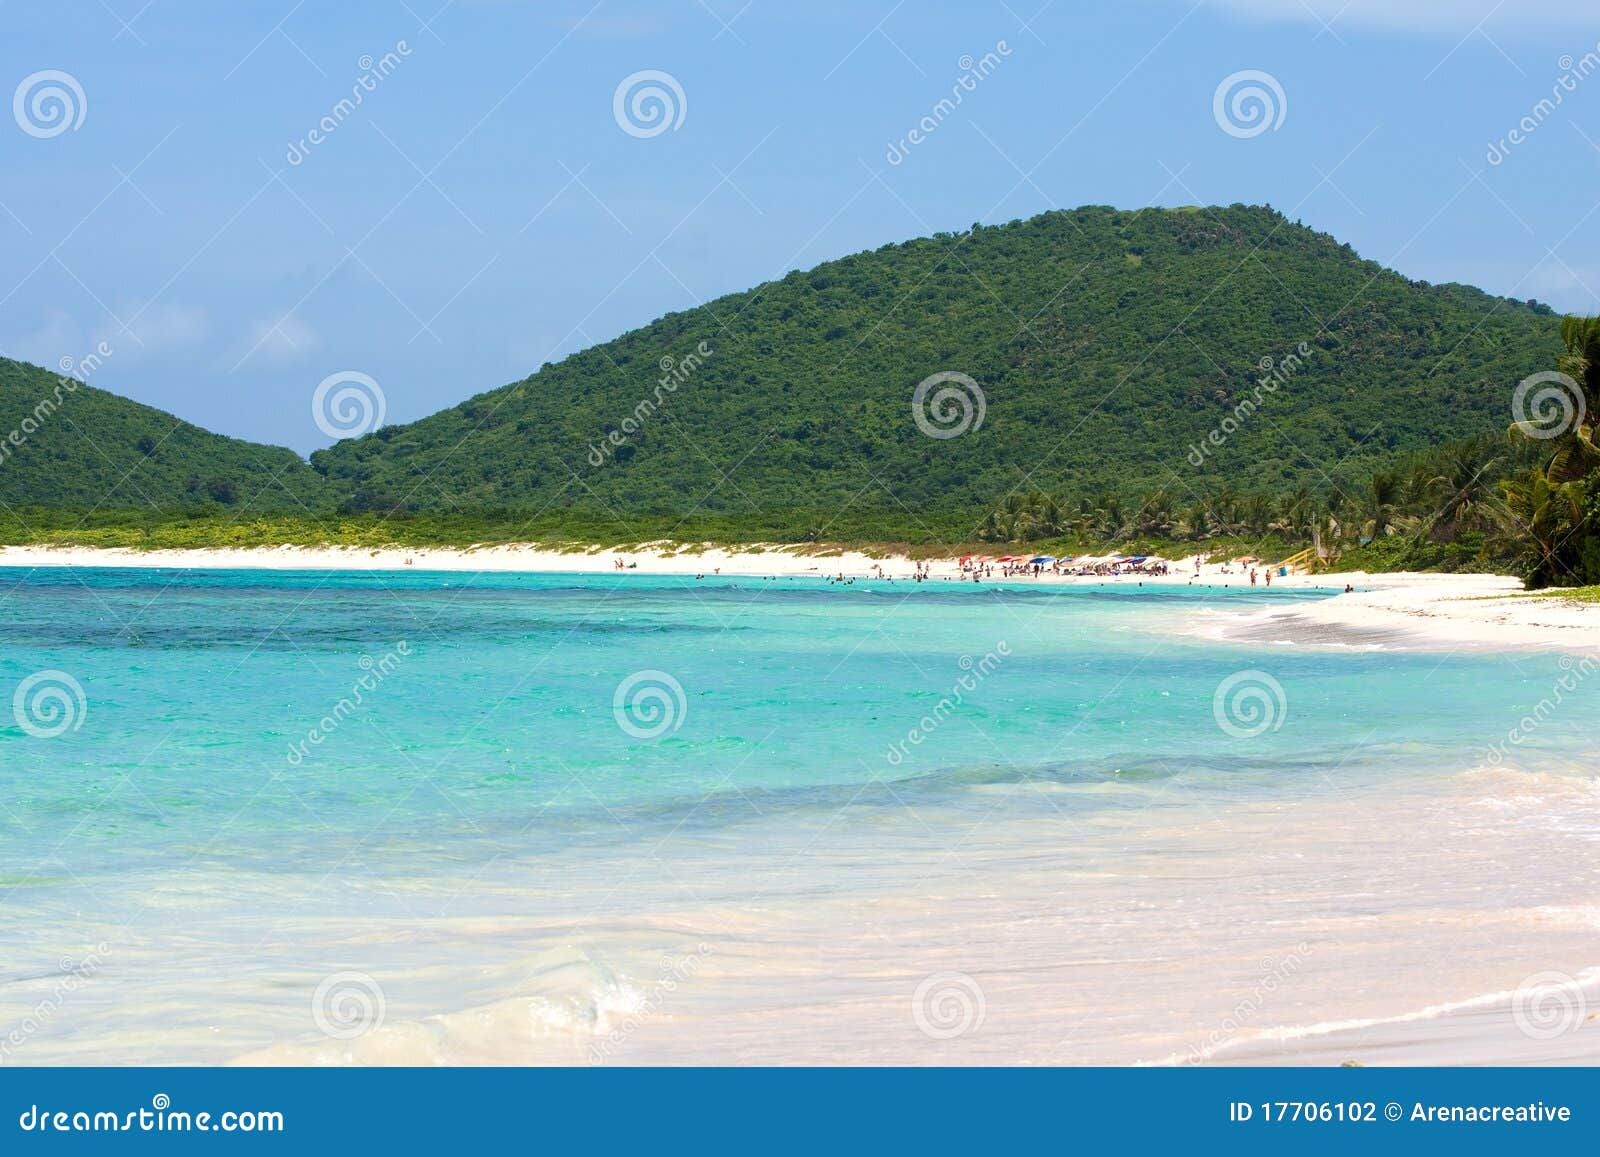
(1544, 514)
(1296, 514)
(1581, 362)
(1379, 504)
(1109, 517)
(1460, 485)
(1155, 515)
(1255, 514)
(1576, 454)
(1023, 518)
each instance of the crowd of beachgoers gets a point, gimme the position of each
(1016, 566)
(979, 568)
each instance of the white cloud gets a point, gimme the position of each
(59, 337)
(280, 340)
(1573, 287)
(155, 328)
(1457, 17)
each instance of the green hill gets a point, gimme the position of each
(66, 444)
(1189, 355)
(1107, 346)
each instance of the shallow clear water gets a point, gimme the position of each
(815, 795)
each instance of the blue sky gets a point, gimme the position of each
(483, 210)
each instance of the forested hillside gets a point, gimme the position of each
(1107, 345)
(66, 444)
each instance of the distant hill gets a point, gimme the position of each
(1106, 344)
(64, 443)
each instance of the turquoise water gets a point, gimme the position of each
(486, 756)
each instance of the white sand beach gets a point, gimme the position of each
(1454, 610)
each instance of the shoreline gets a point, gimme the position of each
(1402, 608)
(1292, 902)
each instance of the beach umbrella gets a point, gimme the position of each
(1041, 560)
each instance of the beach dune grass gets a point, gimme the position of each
(945, 537)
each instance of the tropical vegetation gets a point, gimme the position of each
(1212, 379)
